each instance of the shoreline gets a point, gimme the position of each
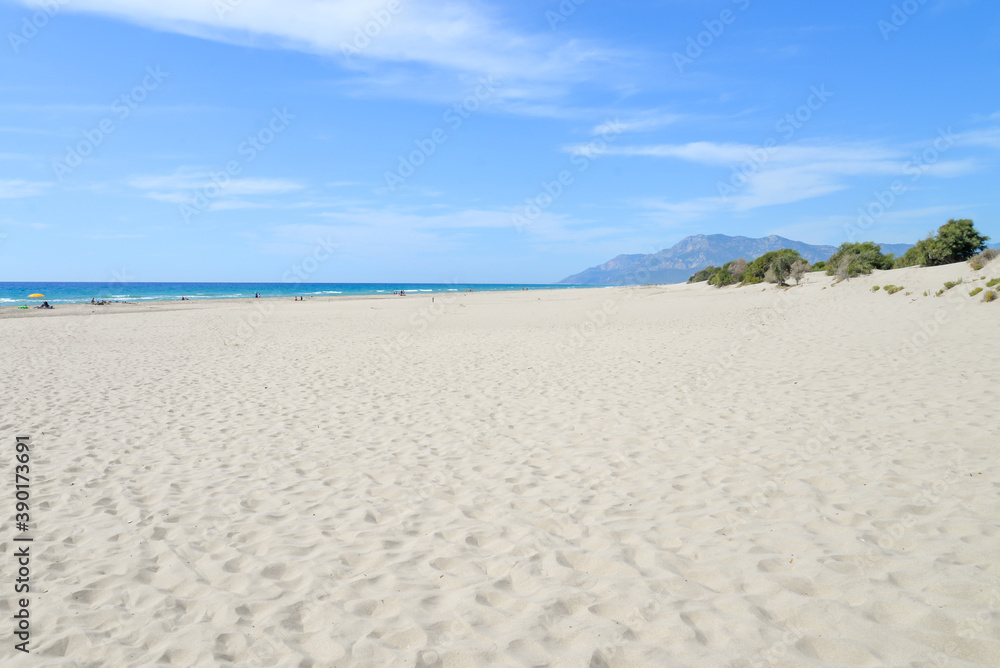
(163, 305)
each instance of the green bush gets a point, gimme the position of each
(722, 277)
(727, 274)
(956, 240)
(893, 289)
(975, 292)
(757, 271)
(876, 288)
(995, 281)
(819, 266)
(854, 259)
(989, 296)
(704, 274)
(950, 284)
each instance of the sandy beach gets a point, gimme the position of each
(655, 476)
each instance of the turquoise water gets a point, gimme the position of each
(67, 293)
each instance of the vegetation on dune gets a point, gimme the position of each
(704, 274)
(989, 296)
(975, 292)
(982, 259)
(799, 269)
(855, 259)
(955, 241)
(773, 267)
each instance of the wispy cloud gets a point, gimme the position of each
(14, 188)
(459, 36)
(181, 186)
(782, 175)
(33, 226)
(988, 137)
(642, 123)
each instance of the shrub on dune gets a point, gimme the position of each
(956, 240)
(855, 259)
(982, 259)
(704, 274)
(756, 271)
(799, 269)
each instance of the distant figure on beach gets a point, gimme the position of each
(92, 300)
(402, 293)
(44, 305)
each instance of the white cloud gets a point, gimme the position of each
(989, 137)
(396, 220)
(756, 177)
(14, 188)
(643, 123)
(182, 186)
(463, 37)
(236, 205)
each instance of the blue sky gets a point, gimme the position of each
(404, 140)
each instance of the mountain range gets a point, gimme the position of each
(677, 264)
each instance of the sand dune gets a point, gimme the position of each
(657, 476)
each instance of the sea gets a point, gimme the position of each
(74, 293)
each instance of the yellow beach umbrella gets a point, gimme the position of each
(35, 295)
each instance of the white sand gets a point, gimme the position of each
(662, 476)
